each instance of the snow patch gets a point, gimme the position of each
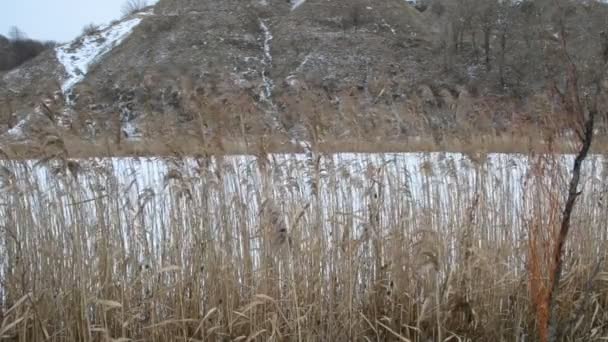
(267, 62)
(17, 130)
(387, 25)
(131, 130)
(303, 144)
(78, 56)
(291, 80)
(147, 13)
(267, 83)
(308, 58)
(301, 66)
(472, 71)
(267, 40)
(296, 3)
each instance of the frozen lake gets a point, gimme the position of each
(153, 202)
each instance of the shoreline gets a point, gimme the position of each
(76, 148)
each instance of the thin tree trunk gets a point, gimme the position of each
(558, 251)
(486, 46)
(455, 34)
(501, 64)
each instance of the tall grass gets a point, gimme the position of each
(318, 247)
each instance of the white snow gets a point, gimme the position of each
(472, 71)
(267, 62)
(17, 130)
(131, 130)
(387, 25)
(306, 59)
(267, 40)
(78, 56)
(301, 143)
(296, 3)
(267, 82)
(291, 80)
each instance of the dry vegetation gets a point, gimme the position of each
(203, 246)
(428, 247)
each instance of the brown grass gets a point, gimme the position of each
(254, 144)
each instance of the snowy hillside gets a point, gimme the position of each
(78, 56)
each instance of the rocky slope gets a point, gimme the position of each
(301, 70)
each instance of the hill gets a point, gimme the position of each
(302, 71)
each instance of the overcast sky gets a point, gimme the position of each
(59, 20)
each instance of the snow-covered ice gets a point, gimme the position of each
(407, 177)
(398, 187)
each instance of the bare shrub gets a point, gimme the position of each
(133, 6)
(89, 29)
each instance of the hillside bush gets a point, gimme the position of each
(89, 29)
(133, 6)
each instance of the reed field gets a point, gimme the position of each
(298, 247)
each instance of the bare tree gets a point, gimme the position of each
(354, 17)
(487, 12)
(15, 34)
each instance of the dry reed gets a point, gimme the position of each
(317, 247)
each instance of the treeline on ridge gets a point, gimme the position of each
(18, 49)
